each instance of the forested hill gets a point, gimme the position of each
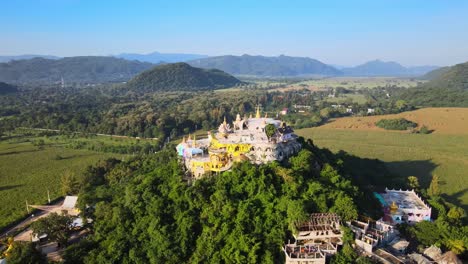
(181, 77)
(84, 69)
(281, 66)
(6, 88)
(448, 88)
(435, 73)
(383, 68)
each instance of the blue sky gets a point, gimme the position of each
(412, 32)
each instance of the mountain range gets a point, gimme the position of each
(180, 77)
(157, 57)
(99, 69)
(382, 68)
(26, 57)
(281, 66)
(83, 69)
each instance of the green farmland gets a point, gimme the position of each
(406, 154)
(27, 171)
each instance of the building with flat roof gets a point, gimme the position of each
(403, 206)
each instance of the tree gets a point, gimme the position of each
(70, 184)
(456, 245)
(24, 253)
(206, 125)
(424, 130)
(434, 186)
(345, 256)
(401, 105)
(270, 130)
(57, 228)
(456, 213)
(345, 207)
(413, 182)
(76, 253)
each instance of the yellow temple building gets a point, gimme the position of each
(258, 140)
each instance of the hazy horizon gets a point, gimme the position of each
(411, 33)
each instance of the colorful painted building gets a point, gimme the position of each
(256, 139)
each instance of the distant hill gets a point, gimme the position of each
(435, 73)
(449, 87)
(181, 77)
(6, 88)
(26, 57)
(157, 57)
(85, 69)
(281, 66)
(382, 68)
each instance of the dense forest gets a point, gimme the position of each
(180, 77)
(448, 87)
(144, 213)
(6, 88)
(160, 115)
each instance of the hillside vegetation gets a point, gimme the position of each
(449, 87)
(181, 77)
(84, 69)
(395, 124)
(281, 66)
(6, 88)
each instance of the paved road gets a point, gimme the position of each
(26, 222)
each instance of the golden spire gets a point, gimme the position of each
(257, 115)
(183, 139)
(266, 114)
(189, 137)
(250, 115)
(194, 140)
(224, 120)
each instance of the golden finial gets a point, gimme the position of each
(189, 137)
(194, 140)
(224, 120)
(183, 139)
(257, 115)
(250, 115)
(266, 115)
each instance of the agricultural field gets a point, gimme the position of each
(440, 120)
(444, 152)
(361, 82)
(351, 83)
(27, 170)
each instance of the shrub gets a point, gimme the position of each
(424, 130)
(396, 124)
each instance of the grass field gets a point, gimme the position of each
(361, 82)
(441, 120)
(26, 172)
(444, 152)
(352, 83)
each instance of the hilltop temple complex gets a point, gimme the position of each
(256, 139)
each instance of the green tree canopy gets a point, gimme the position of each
(56, 227)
